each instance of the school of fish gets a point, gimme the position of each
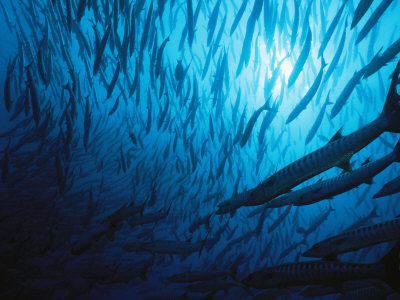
(200, 149)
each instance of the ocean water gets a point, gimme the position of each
(123, 135)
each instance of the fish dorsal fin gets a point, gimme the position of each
(337, 136)
(346, 166)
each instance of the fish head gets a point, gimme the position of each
(317, 250)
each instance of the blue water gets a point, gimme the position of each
(113, 171)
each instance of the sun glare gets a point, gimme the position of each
(286, 67)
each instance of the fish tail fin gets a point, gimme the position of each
(397, 151)
(391, 263)
(391, 109)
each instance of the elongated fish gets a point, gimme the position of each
(328, 273)
(100, 50)
(318, 121)
(330, 30)
(380, 60)
(212, 22)
(329, 188)
(34, 96)
(336, 57)
(346, 92)
(356, 239)
(114, 79)
(250, 124)
(336, 153)
(238, 16)
(246, 49)
(360, 11)
(295, 26)
(389, 188)
(159, 57)
(302, 105)
(298, 67)
(189, 7)
(373, 19)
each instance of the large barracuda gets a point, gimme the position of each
(327, 273)
(357, 238)
(329, 188)
(389, 188)
(335, 154)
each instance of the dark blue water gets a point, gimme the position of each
(170, 145)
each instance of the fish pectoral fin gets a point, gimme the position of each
(337, 136)
(346, 166)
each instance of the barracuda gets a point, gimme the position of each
(334, 186)
(329, 273)
(336, 153)
(355, 239)
(389, 188)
